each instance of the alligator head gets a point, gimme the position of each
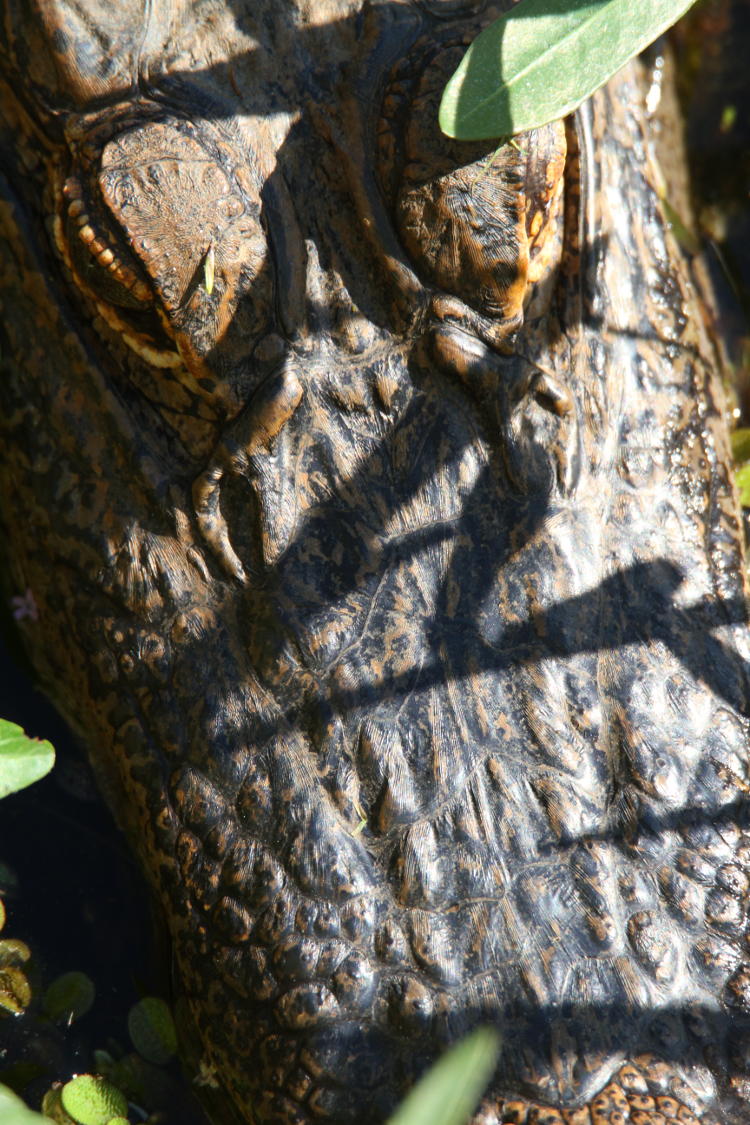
(372, 490)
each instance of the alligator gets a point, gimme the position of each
(368, 506)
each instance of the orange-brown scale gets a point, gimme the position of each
(633, 1097)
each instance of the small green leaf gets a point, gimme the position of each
(542, 58)
(13, 951)
(741, 444)
(209, 267)
(742, 477)
(15, 990)
(52, 1106)
(69, 997)
(152, 1030)
(91, 1100)
(23, 760)
(14, 1112)
(728, 118)
(449, 1092)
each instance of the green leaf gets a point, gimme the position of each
(742, 477)
(543, 58)
(449, 1092)
(13, 951)
(152, 1030)
(23, 760)
(91, 1100)
(14, 1112)
(52, 1106)
(741, 444)
(15, 990)
(69, 997)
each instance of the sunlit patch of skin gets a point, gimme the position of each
(482, 222)
(544, 213)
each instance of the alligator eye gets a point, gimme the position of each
(186, 198)
(163, 228)
(105, 270)
(473, 217)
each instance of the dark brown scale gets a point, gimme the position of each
(392, 568)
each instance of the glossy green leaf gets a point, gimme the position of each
(742, 477)
(23, 760)
(91, 1100)
(14, 1112)
(13, 951)
(15, 990)
(449, 1092)
(543, 58)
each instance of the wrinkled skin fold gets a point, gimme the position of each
(373, 496)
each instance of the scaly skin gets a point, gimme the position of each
(394, 579)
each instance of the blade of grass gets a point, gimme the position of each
(449, 1092)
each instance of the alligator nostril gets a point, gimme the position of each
(551, 394)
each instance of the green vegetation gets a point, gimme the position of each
(152, 1030)
(542, 58)
(14, 1112)
(741, 454)
(23, 760)
(87, 1099)
(449, 1092)
(69, 997)
(91, 1100)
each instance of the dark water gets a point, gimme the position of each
(74, 895)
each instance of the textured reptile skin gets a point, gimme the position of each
(373, 495)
